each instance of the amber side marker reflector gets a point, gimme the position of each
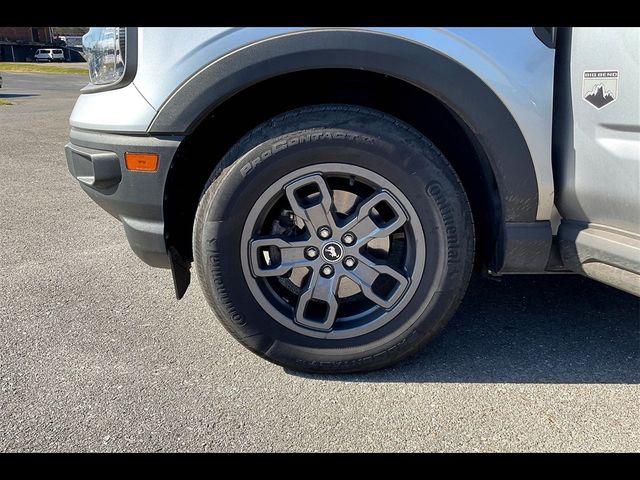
(141, 162)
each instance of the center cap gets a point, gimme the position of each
(332, 252)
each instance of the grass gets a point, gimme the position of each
(40, 68)
(5, 102)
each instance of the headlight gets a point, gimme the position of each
(104, 48)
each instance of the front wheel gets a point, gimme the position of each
(334, 238)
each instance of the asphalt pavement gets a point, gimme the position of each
(97, 355)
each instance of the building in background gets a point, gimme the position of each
(19, 44)
(26, 35)
(71, 40)
(72, 36)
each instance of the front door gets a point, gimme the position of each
(597, 153)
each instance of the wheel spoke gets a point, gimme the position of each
(318, 213)
(291, 256)
(318, 288)
(363, 226)
(366, 273)
(318, 225)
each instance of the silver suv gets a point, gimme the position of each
(335, 187)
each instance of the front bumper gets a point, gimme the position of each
(96, 160)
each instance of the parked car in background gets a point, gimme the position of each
(334, 187)
(49, 55)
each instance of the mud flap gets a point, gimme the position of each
(181, 272)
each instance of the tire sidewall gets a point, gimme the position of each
(407, 160)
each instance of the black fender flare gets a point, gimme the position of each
(441, 76)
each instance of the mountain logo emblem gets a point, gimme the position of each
(600, 87)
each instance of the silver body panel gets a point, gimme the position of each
(515, 64)
(599, 172)
(597, 159)
(120, 110)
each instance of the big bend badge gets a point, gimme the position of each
(600, 87)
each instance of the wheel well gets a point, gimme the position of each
(205, 146)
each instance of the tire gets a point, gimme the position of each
(412, 240)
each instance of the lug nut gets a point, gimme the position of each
(350, 262)
(348, 238)
(324, 232)
(326, 270)
(311, 252)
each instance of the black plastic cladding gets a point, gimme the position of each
(444, 78)
(523, 243)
